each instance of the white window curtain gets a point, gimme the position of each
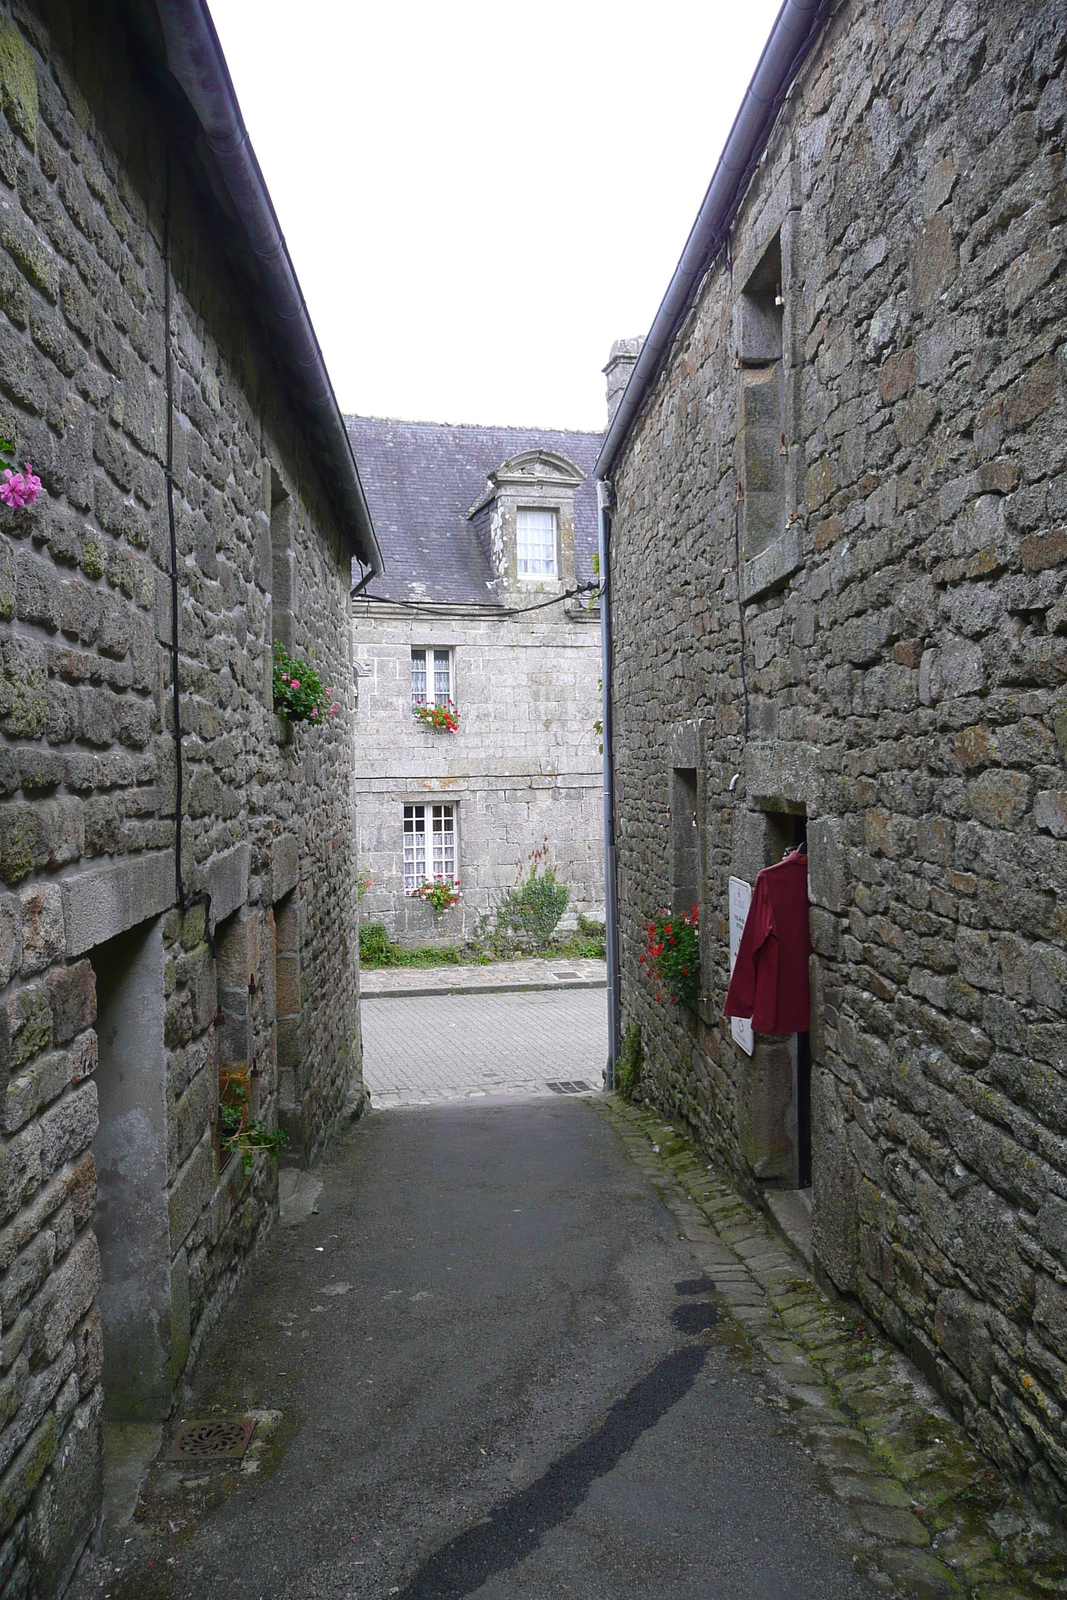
(414, 847)
(442, 855)
(536, 543)
(418, 678)
(439, 664)
(444, 842)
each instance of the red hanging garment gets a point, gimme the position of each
(770, 977)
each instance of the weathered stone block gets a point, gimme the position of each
(68, 1127)
(64, 1508)
(828, 879)
(102, 902)
(89, 1350)
(42, 926)
(10, 937)
(29, 1020)
(67, 1296)
(287, 993)
(961, 1327)
(1050, 1313)
(18, 83)
(73, 999)
(26, 1470)
(285, 865)
(1050, 812)
(23, 687)
(191, 1192)
(225, 878)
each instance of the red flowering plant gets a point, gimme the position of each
(441, 893)
(671, 956)
(445, 719)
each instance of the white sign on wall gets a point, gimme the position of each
(740, 900)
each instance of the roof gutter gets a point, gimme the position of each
(196, 60)
(795, 30)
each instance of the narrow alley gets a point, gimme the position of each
(495, 1349)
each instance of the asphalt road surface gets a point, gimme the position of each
(497, 1375)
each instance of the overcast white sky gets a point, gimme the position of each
(479, 197)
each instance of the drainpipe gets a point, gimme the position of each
(611, 901)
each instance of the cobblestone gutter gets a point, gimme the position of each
(931, 1516)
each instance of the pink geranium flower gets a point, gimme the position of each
(20, 488)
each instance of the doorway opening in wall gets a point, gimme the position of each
(144, 1290)
(787, 831)
(288, 1023)
(788, 1193)
(803, 1060)
(132, 1219)
(233, 1031)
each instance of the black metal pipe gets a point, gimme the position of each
(611, 899)
(179, 885)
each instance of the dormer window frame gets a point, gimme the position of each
(537, 509)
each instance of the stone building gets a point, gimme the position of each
(153, 339)
(478, 526)
(840, 490)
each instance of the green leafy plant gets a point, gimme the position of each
(363, 883)
(376, 949)
(256, 1136)
(628, 1066)
(525, 917)
(299, 692)
(588, 942)
(238, 1134)
(671, 956)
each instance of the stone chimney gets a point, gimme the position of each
(624, 353)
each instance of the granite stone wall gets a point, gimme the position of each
(123, 1226)
(839, 558)
(523, 770)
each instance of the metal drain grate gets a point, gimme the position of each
(219, 1439)
(569, 1086)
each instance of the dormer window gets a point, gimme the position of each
(536, 543)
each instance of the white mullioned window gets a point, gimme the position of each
(536, 543)
(438, 860)
(431, 668)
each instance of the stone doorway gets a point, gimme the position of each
(775, 1082)
(144, 1312)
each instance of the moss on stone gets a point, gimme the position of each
(17, 835)
(18, 83)
(31, 1025)
(27, 1470)
(91, 561)
(23, 689)
(7, 582)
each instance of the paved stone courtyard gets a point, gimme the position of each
(419, 1048)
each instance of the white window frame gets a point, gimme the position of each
(537, 559)
(436, 660)
(438, 822)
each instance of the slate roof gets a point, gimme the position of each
(421, 479)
